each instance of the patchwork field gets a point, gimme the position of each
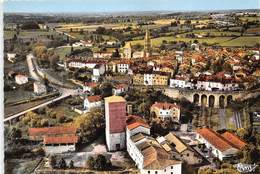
(222, 41)
(93, 27)
(242, 41)
(8, 34)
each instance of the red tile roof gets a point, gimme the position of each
(61, 140)
(134, 121)
(120, 86)
(91, 84)
(52, 130)
(234, 140)
(94, 98)
(165, 105)
(214, 139)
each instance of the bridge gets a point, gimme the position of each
(216, 99)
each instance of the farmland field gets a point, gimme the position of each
(158, 41)
(92, 27)
(28, 34)
(213, 32)
(242, 41)
(65, 50)
(222, 41)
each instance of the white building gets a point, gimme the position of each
(115, 116)
(222, 146)
(122, 67)
(146, 152)
(57, 139)
(78, 44)
(166, 111)
(151, 63)
(39, 88)
(21, 79)
(88, 87)
(211, 85)
(11, 57)
(92, 102)
(99, 70)
(60, 144)
(82, 64)
(102, 54)
(148, 79)
(138, 54)
(181, 83)
(119, 89)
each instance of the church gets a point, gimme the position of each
(147, 51)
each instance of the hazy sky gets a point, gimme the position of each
(125, 5)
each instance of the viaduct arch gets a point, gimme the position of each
(212, 99)
(216, 99)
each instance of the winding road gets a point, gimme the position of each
(37, 74)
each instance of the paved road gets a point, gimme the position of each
(31, 68)
(37, 73)
(65, 92)
(222, 116)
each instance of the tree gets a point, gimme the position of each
(100, 30)
(250, 154)
(40, 52)
(115, 54)
(81, 31)
(53, 59)
(29, 26)
(71, 164)
(15, 133)
(52, 161)
(106, 90)
(91, 162)
(15, 37)
(101, 162)
(62, 164)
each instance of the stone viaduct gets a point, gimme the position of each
(216, 99)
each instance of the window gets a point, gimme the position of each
(148, 171)
(171, 167)
(156, 172)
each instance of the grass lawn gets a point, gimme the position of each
(242, 41)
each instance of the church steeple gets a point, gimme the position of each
(147, 43)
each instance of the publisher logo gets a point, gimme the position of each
(245, 168)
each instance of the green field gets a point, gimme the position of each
(63, 51)
(158, 41)
(222, 41)
(28, 34)
(212, 32)
(249, 19)
(242, 41)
